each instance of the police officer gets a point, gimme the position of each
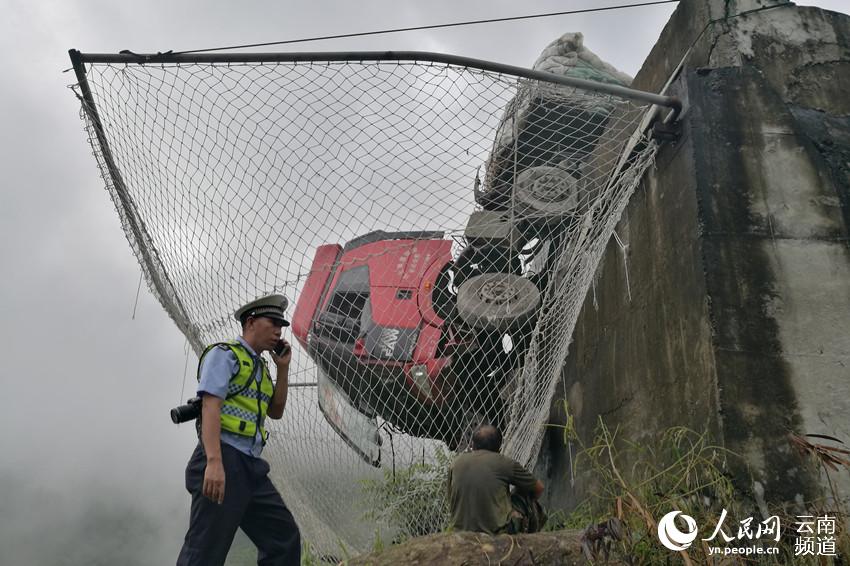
(226, 477)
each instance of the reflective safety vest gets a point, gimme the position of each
(245, 407)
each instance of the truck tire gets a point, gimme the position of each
(550, 191)
(497, 301)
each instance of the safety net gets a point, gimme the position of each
(435, 226)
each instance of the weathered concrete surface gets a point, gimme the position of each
(735, 316)
(765, 237)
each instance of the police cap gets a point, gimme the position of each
(270, 306)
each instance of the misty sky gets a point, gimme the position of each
(84, 429)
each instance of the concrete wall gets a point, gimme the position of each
(736, 315)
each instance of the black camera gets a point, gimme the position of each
(188, 412)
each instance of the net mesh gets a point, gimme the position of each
(436, 228)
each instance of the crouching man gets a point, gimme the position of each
(479, 489)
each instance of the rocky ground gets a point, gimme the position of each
(473, 549)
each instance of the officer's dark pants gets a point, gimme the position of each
(250, 502)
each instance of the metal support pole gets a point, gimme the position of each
(347, 56)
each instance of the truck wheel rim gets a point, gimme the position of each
(497, 292)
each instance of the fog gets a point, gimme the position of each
(92, 468)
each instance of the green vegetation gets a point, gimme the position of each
(412, 500)
(678, 470)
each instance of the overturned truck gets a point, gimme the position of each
(404, 332)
